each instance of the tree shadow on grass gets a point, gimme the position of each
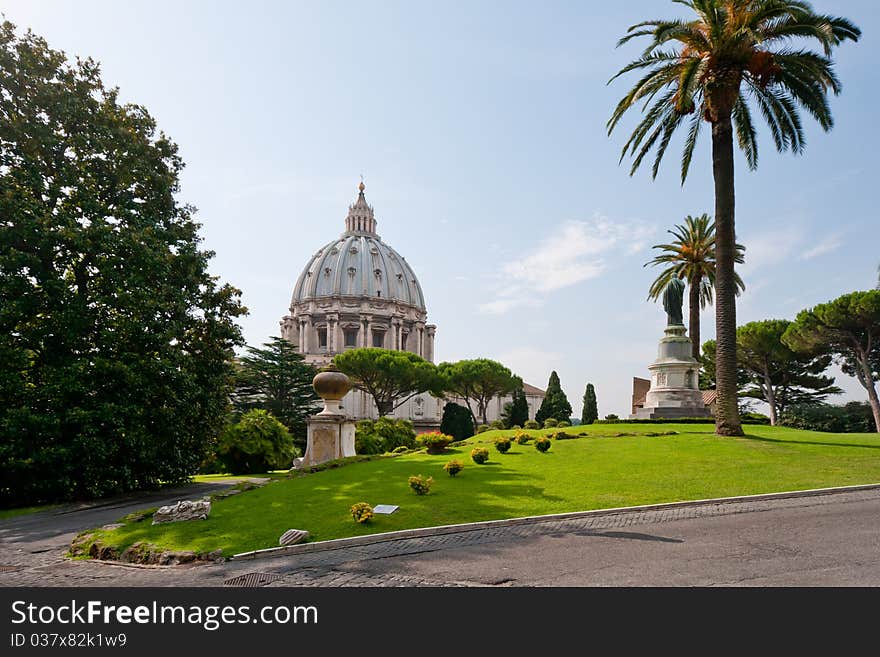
(808, 442)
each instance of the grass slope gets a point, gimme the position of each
(594, 472)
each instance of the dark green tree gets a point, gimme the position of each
(116, 343)
(691, 258)
(516, 411)
(555, 403)
(590, 412)
(730, 57)
(477, 382)
(277, 379)
(778, 375)
(390, 377)
(457, 421)
(848, 328)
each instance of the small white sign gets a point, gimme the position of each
(385, 508)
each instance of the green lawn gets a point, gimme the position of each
(594, 472)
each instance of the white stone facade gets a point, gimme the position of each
(357, 291)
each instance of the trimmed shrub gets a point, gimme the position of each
(563, 424)
(256, 443)
(435, 441)
(361, 512)
(551, 423)
(854, 417)
(542, 443)
(496, 424)
(420, 485)
(562, 435)
(383, 435)
(480, 455)
(457, 421)
(531, 424)
(611, 416)
(483, 428)
(503, 444)
(453, 467)
(522, 437)
(399, 450)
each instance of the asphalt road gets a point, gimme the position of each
(823, 540)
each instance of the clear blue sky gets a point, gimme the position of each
(480, 130)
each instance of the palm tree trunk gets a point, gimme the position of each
(694, 321)
(727, 414)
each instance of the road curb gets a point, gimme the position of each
(403, 534)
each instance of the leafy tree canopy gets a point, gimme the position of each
(115, 341)
(848, 328)
(477, 382)
(777, 374)
(389, 377)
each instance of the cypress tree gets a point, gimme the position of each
(555, 403)
(590, 412)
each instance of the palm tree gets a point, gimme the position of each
(691, 257)
(733, 55)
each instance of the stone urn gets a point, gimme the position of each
(331, 386)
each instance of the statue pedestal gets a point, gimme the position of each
(329, 437)
(330, 433)
(675, 390)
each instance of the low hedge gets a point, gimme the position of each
(755, 418)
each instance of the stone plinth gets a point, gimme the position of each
(675, 390)
(330, 432)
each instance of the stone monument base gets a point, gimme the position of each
(329, 437)
(674, 389)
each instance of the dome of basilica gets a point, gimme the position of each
(357, 291)
(359, 264)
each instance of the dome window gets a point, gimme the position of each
(327, 271)
(379, 339)
(322, 337)
(351, 336)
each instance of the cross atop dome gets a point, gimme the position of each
(360, 217)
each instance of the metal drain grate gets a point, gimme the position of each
(252, 579)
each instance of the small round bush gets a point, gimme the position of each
(542, 443)
(522, 437)
(496, 424)
(420, 485)
(563, 424)
(531, 424)
(551, 423)
(516, 427)
(361, 512)
(453, 467)
(503, 444)
(480, 455)
(483, 428)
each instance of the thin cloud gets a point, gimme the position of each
(574, 253)
(828, 245)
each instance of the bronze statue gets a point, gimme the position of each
(673, 297)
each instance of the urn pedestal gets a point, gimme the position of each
(675, 391)
(330, 432)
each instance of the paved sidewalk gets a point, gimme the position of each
(24, 561)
